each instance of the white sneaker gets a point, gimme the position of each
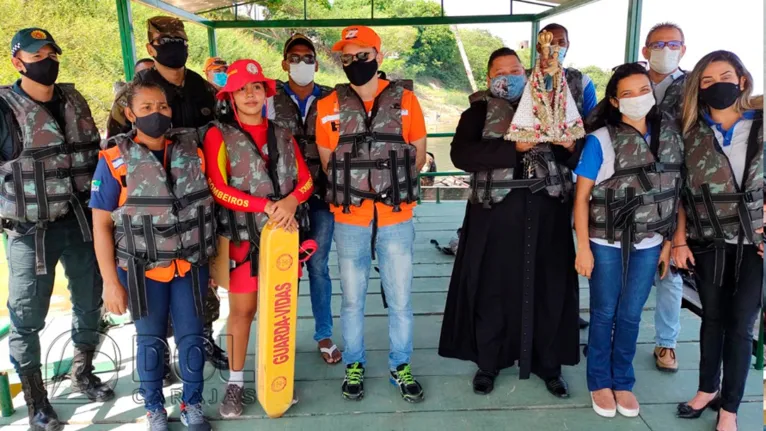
(607, 413)
(628, 413)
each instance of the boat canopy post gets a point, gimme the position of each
(125, 23)
(533, 43)
(211, 42)
(633, 33)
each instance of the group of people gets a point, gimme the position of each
(190, 172)
(669, 178)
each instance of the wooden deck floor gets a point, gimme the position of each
(450, 404)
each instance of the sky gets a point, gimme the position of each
(597, 30)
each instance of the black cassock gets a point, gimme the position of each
(513, 295)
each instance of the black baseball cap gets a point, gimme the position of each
(31, 40)
(298, 39)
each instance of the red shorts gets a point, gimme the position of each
(240, 280)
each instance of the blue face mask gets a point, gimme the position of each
(219, 78)
(562, 54)
(508, 87)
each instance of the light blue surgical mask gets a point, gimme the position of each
(508, 87)
(562, 54)
(219, 78)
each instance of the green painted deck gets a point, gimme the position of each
(449, 405)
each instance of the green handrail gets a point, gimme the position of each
(441, 135)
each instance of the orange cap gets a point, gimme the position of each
(213, 63)
(358, 35)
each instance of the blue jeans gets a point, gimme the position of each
(394, 249)
(615, 314)
(174, 297)
(320, 285)
(667, 314)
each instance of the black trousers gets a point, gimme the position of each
(728, 316)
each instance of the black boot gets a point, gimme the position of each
(214, 354)
(41, 414)
(83, 379)
(167, 374)
(583, 323)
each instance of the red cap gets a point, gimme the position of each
(243, 72)
(358, 35)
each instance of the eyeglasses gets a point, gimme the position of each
(640, 63)
(674, 45)
(306, 58)
(363, 56)
(164, 40)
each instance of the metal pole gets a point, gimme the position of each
(305, 8)
(6, 402)
(372, 9)
(633, 33)
(759, 350)
(125, 23)
(442, 7)
(533, 43)
(212, 44)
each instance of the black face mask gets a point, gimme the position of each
(172, 54)
(43, 72)
(720, 95)
(153, 125)
(360, 73)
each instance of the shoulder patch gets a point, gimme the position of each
(95, 185)
(117, 162)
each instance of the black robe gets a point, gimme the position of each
(514, 294)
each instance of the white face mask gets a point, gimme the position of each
(302, 73)
(664, 61)
(636, 108)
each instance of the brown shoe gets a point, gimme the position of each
(665, 359)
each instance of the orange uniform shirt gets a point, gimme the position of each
(179, 266)
(327, 136)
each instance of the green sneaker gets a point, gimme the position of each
(353, 383)
(409, 387)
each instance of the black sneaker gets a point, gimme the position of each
(216, 355)
(409, 387)
(353, 383)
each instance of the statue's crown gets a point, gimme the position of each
(545, 38)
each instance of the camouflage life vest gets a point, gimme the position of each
(372, 160)
(574, 82)
(54, 167)
(717, 208)
(168, 213)
(641, 197)
(250, 173)
(489, 187)
(288, 115)
(672, 102)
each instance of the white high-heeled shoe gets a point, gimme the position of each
(606, 413)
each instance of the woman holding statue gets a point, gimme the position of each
(513, 295)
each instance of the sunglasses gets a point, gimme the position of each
(364, 56)
(306, 58)
(674, 45)
(164, 40)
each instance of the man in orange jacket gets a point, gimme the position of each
(368, 132)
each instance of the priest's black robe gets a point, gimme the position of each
(513, 295)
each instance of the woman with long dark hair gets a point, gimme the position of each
(627, 188)
(720, 226)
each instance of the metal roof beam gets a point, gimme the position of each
(566, 7)
(379, 22)
(178, 12)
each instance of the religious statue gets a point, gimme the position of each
(547, 112)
